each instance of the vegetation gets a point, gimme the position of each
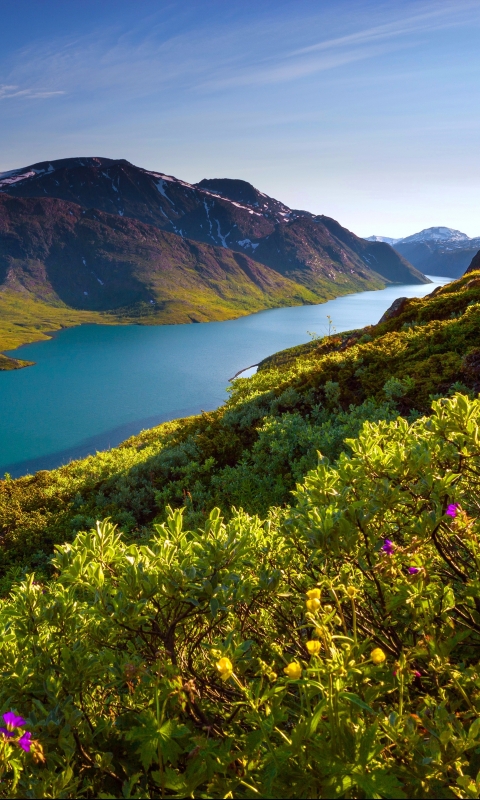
(281, 597)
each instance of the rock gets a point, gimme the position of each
(395, 309)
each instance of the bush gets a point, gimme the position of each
(328, 651)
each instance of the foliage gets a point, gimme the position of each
(328, 651)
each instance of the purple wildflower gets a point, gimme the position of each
(417, 673)
(388, 547)
(24, 741)
(452, 510)
(6, 733)
(12, 721)
(413, 570)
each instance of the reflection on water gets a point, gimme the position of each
(93, 386)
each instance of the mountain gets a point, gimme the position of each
(312, 250)
(61, 254)
(436, 251)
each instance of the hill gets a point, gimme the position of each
(289, 605)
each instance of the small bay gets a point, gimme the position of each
(93, 386)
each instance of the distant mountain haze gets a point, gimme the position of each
(436, 251)
(101, 234)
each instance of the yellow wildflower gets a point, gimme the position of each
(351, 591)
(313, 594)
(225, 668)
(378, 656)
(314, 647)
(272, 677)
(293, 670)
(313, 604)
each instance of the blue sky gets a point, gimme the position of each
(368, 112)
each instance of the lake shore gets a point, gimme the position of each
(94, 384)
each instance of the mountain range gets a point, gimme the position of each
(436, 251)
(102, 236)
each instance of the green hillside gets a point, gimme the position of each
(289, 605)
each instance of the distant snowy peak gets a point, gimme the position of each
(386, 239)
(439, 234)
(436, 235)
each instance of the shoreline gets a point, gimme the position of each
(10, 362)
(242, 370)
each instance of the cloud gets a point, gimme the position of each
(218, 55)
(362, 44)
(8, 91)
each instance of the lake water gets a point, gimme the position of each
(94, 385)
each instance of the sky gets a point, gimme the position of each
(368, 112)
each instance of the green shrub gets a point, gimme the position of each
(329, 651)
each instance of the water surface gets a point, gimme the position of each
(94, 385)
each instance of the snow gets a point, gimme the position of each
(248, 243)
(222, 238)
(169, 178)
(217, 196)
(14, 177)
(208, 216)
(161, 189)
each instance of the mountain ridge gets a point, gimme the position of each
(436, 251)
(223, 212)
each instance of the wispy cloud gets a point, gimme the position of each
(367, 42)
(8, 91)
(220, 56)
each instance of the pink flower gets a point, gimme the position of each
(388, 547)
(413, 570)
(12, 721)
(452, 510)
(24, 742)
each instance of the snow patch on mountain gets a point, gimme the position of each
(386, 239)
(161, 189)
(248, 243)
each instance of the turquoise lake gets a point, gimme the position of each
(94, 386)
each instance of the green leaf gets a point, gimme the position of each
(356, 700)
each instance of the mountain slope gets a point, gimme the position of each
(475, 263)
(436, 251)
(61, 254)
(223, 212)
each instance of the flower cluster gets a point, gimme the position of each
(313, 600)
(12, 723)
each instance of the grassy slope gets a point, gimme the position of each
(251, 451)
